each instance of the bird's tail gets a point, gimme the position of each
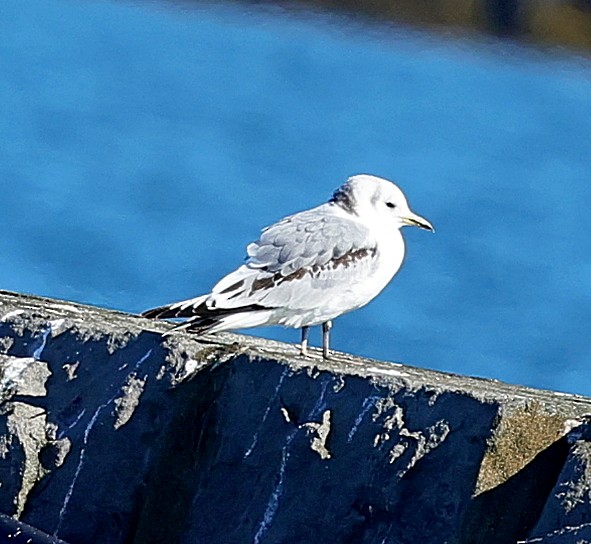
(185, 308)
(202, 319)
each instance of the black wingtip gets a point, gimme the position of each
(156, 313)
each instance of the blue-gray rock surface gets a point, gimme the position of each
(111, 433)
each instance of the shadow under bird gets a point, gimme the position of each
(310, 267)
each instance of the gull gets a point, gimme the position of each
(310, 267)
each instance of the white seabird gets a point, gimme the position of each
(310, 267)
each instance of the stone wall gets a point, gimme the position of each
(111, 433)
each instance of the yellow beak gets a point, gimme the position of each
(415, 220)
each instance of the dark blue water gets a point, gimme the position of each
(143, 146)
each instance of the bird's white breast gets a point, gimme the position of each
(389, 257)
(349, 295)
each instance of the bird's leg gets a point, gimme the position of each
(326, 339)
(304, 342)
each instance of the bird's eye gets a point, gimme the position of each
(390, 204)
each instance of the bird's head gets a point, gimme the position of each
(376, 199)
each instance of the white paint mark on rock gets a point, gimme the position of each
(12, 368)
(58, 326)
(321, 430)
(273, 503)
(67, 307)
(434, 437)
(191, 367)
(23, 375)
(285, 415)
(126, 404)
(79, 466)
(338, 384)
(368, 404)
(71, 369)
(271, 402)
(387, 371)
(39, 350)
(26, 424)
(419, 442)
(12, 314)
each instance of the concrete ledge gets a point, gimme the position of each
(110, 433)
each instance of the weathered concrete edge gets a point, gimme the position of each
(531, 418)
(122, 326)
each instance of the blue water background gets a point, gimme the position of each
(144, 145)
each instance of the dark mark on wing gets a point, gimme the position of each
(344, 260)
(233, 287)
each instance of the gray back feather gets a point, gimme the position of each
(297, 262)
(307, 239)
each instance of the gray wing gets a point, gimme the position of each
(296, 261)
